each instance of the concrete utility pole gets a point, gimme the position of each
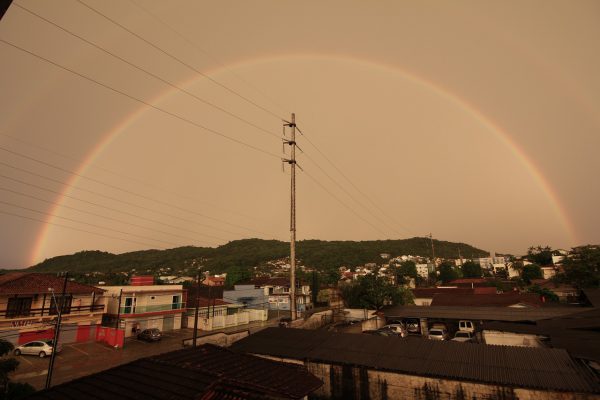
(292, 162)
(59, 310)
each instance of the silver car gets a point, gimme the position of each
(40, 348)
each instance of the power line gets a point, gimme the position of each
(149, 73)
(84, 223)
(145, 183)
(75, 229)
(351, 183)
(125, 191)
(197, 125)
(98, 205)
(94, 214)
(180, 61)
(344, 204)
(206, 54)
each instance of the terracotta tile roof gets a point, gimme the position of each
(429, 292)
(206, 373)
(205, 302)
(35, 283)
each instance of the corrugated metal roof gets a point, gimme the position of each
(479, 313)
(207, 372)
(537, 368)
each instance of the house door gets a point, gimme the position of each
(168, 323)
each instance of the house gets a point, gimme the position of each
(214, 281)
(548, 271)
(377, 367)
(277, 291)
(566, 293)
(29, 305)
(143, 305)
(423, 270)
(207, 372)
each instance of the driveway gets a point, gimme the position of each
(81, 359)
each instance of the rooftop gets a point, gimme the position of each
(207, 372)
(35, 283)
(537, 368)
(480, 313)
(492, 300)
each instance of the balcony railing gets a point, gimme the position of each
(40, 312)
(151, 308)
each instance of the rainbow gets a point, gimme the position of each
(484, 120)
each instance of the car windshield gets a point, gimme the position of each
(435, 332)
(49, 342)
(462, 334)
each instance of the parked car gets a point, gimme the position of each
(40, 348)
(380, 332)
(413, 326)
(466, 326)
(150, 335)
(400, 329)
(463, 336)
(438, 334)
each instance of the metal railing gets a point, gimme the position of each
(40, 312)
(151, 308)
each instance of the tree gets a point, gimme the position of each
(471, 270)
(237, 274)
(582, 267)
(10, 390)
(546, 293)
(374, 292)
(404, 270)
(531, 271)
(539, 255)
(447, 272)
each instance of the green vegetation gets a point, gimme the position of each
(248, 253)
(374, 292)
(10, 390)
(531, 271)
(582, 267)
(471, 270)
(448, 272)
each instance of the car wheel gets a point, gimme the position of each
(17, 352)
(42, 354)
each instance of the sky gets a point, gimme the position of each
(140, 124)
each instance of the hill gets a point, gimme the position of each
(318, 254)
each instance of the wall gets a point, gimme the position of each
(218, 338)
(347, 382)
(511, 339)
(222, 320)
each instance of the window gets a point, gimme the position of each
(18, 307)
(176, 302)
(129, 305)
(65, 302)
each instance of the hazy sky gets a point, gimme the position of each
(476, 121)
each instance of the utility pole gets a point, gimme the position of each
(195, 337)
(432, 250)
(292, 162)
(60, 308)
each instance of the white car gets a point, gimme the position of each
(463, 336)
(398, 328)
(40, 348)
(438, 334)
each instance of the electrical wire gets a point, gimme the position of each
(105, 207)
(125, 191)
(179, 60)
(213, 105)
(206, 54)
(179, 117)
(120, 175)
(97, 215)
(75, 229)
(85, 223)
(344, 204)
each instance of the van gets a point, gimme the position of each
(466, 326)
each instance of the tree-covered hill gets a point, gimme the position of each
(253, 252)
